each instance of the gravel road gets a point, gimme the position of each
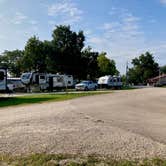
(124, 124)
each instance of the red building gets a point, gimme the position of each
(157, 81)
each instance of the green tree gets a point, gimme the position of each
(67, 46)
(106, 66)
(89, 63)
(144, 67)
(12, 60)
(163, 69)
(34, 55)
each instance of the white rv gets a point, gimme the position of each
(3, 80)
(110, 82)
(46, 81)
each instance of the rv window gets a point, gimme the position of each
(59, 79)
(26, 76)
(42, 77)
(2, 75)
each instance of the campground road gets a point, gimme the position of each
(123, 124)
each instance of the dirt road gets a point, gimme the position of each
(124, 124)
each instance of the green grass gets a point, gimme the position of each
(69, 160)
(127, 88)
(40, 98)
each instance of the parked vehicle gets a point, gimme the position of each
(15, 84)
(110, 82)
(3, 80)
(86, 85)
(45, 81)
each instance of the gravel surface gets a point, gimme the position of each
(124, 124)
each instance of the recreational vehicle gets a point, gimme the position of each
(110, 82)
(45, 81)
(3, 80)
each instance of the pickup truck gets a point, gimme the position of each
(86, 85)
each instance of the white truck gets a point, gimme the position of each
(3, 80)
(109, 81)
(45, 81)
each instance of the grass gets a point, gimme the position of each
(40, 98)
(70, 160)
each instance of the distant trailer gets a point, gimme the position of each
(110, 82)
(3, 80)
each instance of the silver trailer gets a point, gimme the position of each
(45, 81)
(110, 82)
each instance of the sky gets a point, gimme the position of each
(122, 28)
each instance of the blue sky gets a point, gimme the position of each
(122, 28)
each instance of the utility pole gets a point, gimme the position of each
(127, 68)
(159, 75)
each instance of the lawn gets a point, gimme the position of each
(69, 160)
(39, 98)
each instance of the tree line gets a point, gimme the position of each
(65, 53)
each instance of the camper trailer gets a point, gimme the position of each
(3, 80)
(45, 81)
(110, 82)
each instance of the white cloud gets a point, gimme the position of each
(19, 27)
(19, 18)
(2, 1)
(124, 39)
(66, 10)
(163, 2)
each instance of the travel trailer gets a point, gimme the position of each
(3, 80)
(45, 81)
(110, 82)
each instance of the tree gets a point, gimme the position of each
(144, 67)
(163, 69)
(67, 46)
(106, 66)
(34, 55)
(89, 63)
(12, 60)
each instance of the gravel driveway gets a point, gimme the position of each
(124, 124)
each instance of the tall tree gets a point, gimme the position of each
(89, 63)
(144, 67)
(67, 47)
(13, 61)
(163, 69)
(106, 66)
(34, 58)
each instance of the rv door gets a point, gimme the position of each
(3, 79)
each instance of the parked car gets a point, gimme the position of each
(86, 85)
